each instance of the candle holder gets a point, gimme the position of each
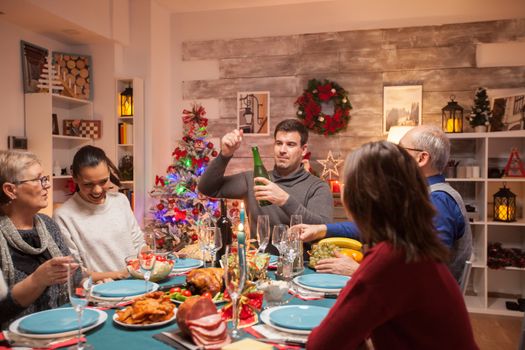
(504, 205)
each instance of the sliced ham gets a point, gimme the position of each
(194, 308)
(214, 344)
(210, 334)
(209, 322)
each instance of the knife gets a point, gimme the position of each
(291, 342)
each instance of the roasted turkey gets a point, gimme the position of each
(205, 280)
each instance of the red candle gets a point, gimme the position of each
(335, 186)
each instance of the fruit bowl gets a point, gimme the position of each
(161, 270)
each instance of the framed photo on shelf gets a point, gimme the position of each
(402, 106)
(253, 112)
(74, 72)
(508, 109)
(33, 60)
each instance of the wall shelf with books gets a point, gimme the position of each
(130, 141)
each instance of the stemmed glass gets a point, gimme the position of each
(147, 257)
(279, 242)
(213, 241)
(263, 232)
(79, 297)
(234, 279)
(298, 263)
(201, 232)
(292, 242)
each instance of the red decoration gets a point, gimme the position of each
(160, 206)
(209, 145)
(194, 237)
(217, 214)
(310, 107)
(195, 211)
(214, 154)
(514, 167)
(250, 303)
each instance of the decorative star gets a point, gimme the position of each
(330, 165)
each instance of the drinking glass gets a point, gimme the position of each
(147, 257)
(263, 232)
(295, 220)
(293, 244)
(79, 297)
(212, 241)
(298, 263)
(278, 236)
(234, 279)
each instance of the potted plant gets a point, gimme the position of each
(481, 113)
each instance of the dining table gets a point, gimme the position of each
(109, 335)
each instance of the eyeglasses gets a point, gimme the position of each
(44, 180)
(413, 149)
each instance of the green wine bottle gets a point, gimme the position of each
(259, 171)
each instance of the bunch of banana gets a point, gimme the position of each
(342, 242)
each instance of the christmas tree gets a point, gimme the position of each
(481, 110)
(179, 206)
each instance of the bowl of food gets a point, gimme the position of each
(161, 270)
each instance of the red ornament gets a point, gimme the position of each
(160, 206)
(214, 154)
(210, 145)
(195, 211)
(194, 237)
(206, 159)
(160, 242)
(235, 203)
(217, 213)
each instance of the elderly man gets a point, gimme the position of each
(291, 190)
(430, 148)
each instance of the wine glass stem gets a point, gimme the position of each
(79, 331)
(235, 315)
(204, 257)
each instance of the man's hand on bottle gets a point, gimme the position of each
(267, 190)
(231, 142)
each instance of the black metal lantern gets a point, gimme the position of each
(126, 102)
(452, 116)
(504, 205)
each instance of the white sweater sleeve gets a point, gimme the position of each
(66, 231)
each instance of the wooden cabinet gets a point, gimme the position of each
(55, 150)
(488, 289)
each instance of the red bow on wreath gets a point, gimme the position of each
(159, 180)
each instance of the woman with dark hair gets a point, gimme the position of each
(402, 295)
(33, 256)
(98, 224)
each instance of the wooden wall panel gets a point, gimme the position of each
(441, 58)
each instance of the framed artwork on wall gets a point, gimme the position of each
(402, 106)
(253, 112)
(33, 60)
(508, 109)
(74, 72)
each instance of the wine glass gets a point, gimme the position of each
(278, 236)
(201, 233)
(298, 263)
(213, 241)
(78, 278)
(293, 244)
(263, 232)
(295, 220)
(234, 279)
(147, 257)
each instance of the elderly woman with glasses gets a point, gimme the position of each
(33, 256)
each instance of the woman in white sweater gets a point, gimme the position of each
(98, 225)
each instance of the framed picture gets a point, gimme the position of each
(74, 72)
(253, 112)
(55, 124)
(33, 60)
(83, 128)
(402, 106)
(508, 109)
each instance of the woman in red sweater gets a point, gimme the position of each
(402, 296)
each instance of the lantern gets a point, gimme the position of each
(126, 102)
(504, 205)
(452, 116)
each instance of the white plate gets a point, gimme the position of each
(265, 317)
(151, 325)
(101, 298)
(13, 327)
(324, 290)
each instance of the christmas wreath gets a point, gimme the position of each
(321, 94)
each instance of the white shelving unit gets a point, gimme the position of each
(50, 148)
(132, 146)
(489, 289)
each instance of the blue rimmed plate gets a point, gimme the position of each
(56, 321)
(186, 264)
(322, 282)
(123, 288)
(298, 317)
(15, 326)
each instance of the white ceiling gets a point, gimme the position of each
(180, 6)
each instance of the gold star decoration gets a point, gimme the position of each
(330, 165)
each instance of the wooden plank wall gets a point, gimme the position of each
(441, 58)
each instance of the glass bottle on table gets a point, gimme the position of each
(259, 171)
(225, 226)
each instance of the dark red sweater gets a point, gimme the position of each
(401, 306)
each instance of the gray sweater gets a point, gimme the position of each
(309, 195)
